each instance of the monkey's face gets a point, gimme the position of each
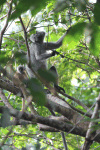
(21, 69)
(20, 76)
(39, 37)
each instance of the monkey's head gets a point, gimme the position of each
(21, 69)
(38, 37)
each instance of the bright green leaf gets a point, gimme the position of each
(2, 2)
(37, 91)
(74, 35)
(95, 40)
(25, 5)
(47, 75)
(97, 13)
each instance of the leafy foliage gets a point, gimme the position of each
(37, 91)
(78, 64)
(24, 5)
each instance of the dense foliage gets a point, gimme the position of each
(78, 65)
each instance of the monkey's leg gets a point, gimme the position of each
(56, 86)
(59, 88)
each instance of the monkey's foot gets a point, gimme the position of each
(59, 88)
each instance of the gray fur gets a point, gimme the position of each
(38, 51)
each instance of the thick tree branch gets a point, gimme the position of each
(52, 102)
(47, 121)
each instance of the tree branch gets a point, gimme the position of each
(4, 99)
(49, 122)
(90, 132)
(25, 35)
(6, 24)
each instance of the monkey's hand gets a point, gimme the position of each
(54, 52)
(59, 88)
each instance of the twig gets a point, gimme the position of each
(28, 23)
(90, 132)
(6, 15)
(4, 99)
(6, 24)
(14, 40)
(80, 119)
(75, 100)
(26, 41)
(58, 53)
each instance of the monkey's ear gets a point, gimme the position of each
(32, 37)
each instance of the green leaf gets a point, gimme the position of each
(4, 58)
(37, 91)
(20, 57)
(74, 35)
(25, 5)
(95, 40)
(38, 5)
(81, 5)
(47, 75)
(61, 5)
(97, 13)
(2, 2)
(56, 19)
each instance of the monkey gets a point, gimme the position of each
(20, 76)
(22, 70)
(38, 53)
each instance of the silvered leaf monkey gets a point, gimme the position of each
(20, 76)
(39, 54)
(38, 51)
(22, 71)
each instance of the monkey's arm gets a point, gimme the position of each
(43, 56)
(54, 45)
